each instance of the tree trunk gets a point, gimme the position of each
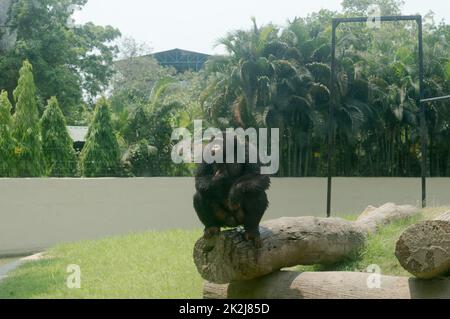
(424, 248)
(290, 242)
(330, 285)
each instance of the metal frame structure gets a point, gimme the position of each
(421, 101)
(182, 60)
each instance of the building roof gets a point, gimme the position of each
(78, 133)
(181, 60)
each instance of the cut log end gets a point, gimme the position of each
(424, 249)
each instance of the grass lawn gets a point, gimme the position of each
(159, 265)
(147, 265)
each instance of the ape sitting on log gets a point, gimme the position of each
(231, 194)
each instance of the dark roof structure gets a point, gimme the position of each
(181, 60)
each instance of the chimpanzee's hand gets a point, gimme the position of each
(235, 198)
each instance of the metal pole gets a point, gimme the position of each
(423, 125)
(331, 117)
(420, 101)
(435, 99)
(382, 19)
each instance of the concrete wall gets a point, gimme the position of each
(38, 213)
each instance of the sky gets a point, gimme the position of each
(197, 24)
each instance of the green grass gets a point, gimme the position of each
(160, 265)
(147, 265)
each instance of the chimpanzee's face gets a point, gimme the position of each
(218, 148)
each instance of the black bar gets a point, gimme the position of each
(382, 19)
(423, 124)
(331, 118)
(432, 99)
(420, 100)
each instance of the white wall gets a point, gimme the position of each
(38, 213)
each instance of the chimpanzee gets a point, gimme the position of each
(231, 194)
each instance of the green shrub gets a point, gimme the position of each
(59, 155)
(29, 156)
(101, 155)
(6, 140)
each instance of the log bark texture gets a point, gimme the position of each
(289, 242)
(330, 285)
(424, 249)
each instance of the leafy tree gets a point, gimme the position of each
(136, 74)
(169, 109)
(244, 77)
(29, 157)
(59, 155)
(6, 140)
(101, 155)
(263, 83)
(172, 103)
(68, 59)
(282, 80)
(137, 125)
(186, 92)
(142, 159)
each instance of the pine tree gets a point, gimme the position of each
(101, 155)
(6, 139)
(59, 155)
(29, 161)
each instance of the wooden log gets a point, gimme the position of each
(330, 285)
(374, 218)
(289, 242)
(424, 249)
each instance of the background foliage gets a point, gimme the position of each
(272, 76)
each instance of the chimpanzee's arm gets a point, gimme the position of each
(208, 180)
(252, 182)
(204, 178)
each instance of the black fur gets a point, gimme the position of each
(231, 195)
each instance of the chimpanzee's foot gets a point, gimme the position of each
(211, 232)
(254, 237)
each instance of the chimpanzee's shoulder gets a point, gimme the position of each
(203, 169)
